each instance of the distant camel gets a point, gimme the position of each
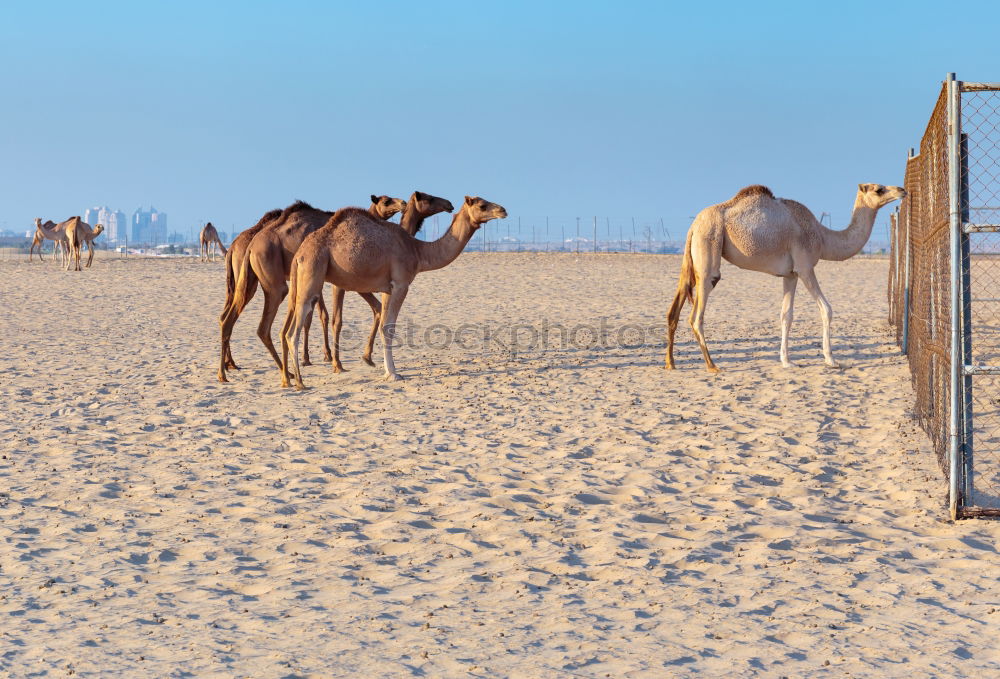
(415, 212)
(210, 242)
(88, 235)
(266, 260)
(355, 251)
(756, 231)
(39, 239)
(74, 241)
(60, 233)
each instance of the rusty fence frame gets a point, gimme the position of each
(931, 283)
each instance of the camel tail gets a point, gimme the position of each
(244, 281)
(685, 284)
(230, 275)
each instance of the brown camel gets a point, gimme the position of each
(40, 237)
(266, 261)
(756, 231)
(355, 251)
(415, 212)
(234, 258)
(210, 243)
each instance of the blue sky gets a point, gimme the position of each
(220, 111)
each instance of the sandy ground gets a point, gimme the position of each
(560, 510)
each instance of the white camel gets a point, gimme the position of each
(756, 231)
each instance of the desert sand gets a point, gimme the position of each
(509, 510)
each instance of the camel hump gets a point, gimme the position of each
(753, 191)
(297, 206)
(346, 213)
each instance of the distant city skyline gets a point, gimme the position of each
(223, 111)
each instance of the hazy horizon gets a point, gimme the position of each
(219, 113)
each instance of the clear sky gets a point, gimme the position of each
(222, 110)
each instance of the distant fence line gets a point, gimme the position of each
(513, 234)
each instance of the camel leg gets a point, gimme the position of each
(230, 313)
(272, 300)
(305, 340)
(673, 315)
(299, 308)
(697, 320)
(90, 253)
(391, 302)
(808, 277)
(377, 314)
(787, 302)
(706, 260)
(338, 321)
(324, 317)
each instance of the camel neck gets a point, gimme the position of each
(439, 253)
(412, 219)
(844, 244)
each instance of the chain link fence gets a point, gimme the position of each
(944, 299)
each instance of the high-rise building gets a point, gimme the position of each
(149, 228)
(115, 223)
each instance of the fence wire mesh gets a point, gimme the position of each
(921, 290)
(920, 241)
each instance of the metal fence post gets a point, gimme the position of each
(906, 274)
(955, 227)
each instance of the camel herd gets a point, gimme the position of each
(352, 249)
(69, 237)
(293, 252)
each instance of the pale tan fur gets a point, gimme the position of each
(355, 251)
(419, 207)
(72, 243)
(210, 243)
(756, 231)
(58, 237)
(88, 234)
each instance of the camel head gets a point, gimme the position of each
(426, 205)
(481, 211)
(387, 206)
(877, 195)
(98, 230)
(38, 222)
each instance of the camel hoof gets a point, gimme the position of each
(789, 364)
(306, 361)
(715, 370)
(222, 378)
(337, 368)
(834, 364)
(368, 360)
(393, 377)
(669, 366)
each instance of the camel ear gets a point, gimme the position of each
(419, 195)
(374, 198)
(468, 200)
(863, 187)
